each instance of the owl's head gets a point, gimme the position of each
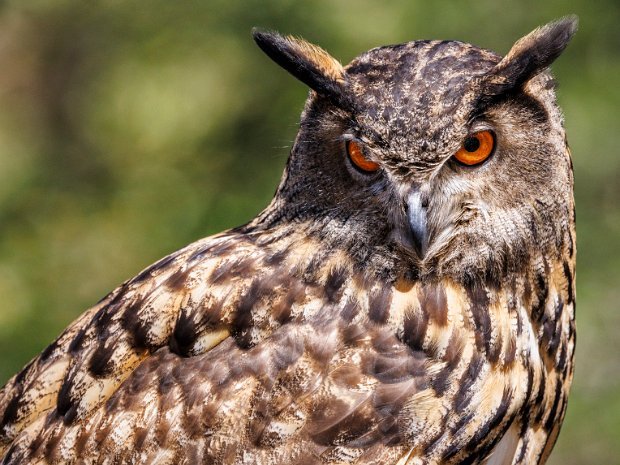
(438, 156)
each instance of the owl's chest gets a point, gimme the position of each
(521, 345)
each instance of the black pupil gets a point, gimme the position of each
(471, 144)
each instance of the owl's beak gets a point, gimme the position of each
(416, 214)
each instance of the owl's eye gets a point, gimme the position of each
(356, 155)
(476, 148)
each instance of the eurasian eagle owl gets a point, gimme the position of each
(406, 298)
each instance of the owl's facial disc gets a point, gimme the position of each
(390, 146)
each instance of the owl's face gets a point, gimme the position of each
(443, 151)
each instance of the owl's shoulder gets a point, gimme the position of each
(171, 303)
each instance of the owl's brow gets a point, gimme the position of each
(369, 133)
(519, 96)
(478, 112)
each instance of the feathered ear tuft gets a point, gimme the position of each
(307, 62)
(529, 56)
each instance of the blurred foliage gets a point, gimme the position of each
(128, 129)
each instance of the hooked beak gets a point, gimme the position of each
(417, 205)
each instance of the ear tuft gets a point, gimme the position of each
(307, 62)
(530, 55)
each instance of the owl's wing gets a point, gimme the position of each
(175, 303)
(311, 393)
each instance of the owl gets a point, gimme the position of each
(407, 297)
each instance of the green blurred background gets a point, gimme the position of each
(128, 129)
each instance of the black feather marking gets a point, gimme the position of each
(495, 349)
(64, 401)
(379, 304)
(49, 350)
(480, 312)
(276, 258)
(70, 415)
(552, 331)
(434, 303)
(350, 310)
(465, 392)
(333, 284)
(19, 377)
(101, 320)
(99, 365)
(511, 353)
(453, 448)
(540, 394)
(454, 351)
(10, 455)
(223, 272)
(414, 330)
(441, 381)
(563, 358)
(464, 421)
(11, 410)
(184, 334)
(242, 319)
(492, 422)
(80, 442)
(541, 292)
(51, 448)
(178, 279)
(137, 328)
(569, 282)
(551, 419)
(76, 342)
(281, 310)
(140, 437)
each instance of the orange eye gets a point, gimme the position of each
(476, 148)
(358, 159)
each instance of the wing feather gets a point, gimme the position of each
(230, 400)
(97, 352)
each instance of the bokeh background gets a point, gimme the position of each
(130, 128)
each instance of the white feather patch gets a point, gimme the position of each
(504, 451)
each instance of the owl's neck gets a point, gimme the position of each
(371, 249)
(375, 248)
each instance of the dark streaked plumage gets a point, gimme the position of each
(420, 313)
